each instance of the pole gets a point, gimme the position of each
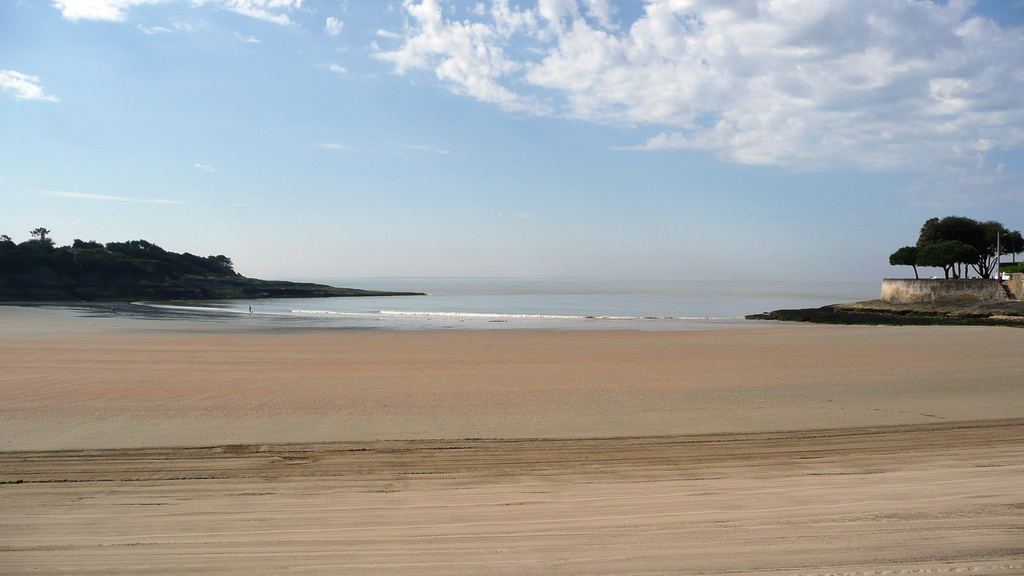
(999, 275)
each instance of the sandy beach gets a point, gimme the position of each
(173, 447)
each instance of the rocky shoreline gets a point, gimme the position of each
(877, 312)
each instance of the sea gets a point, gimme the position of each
(562, 304)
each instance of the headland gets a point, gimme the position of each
(912, 302)
(39, 271)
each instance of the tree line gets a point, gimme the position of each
(39, 259)
(958, 245)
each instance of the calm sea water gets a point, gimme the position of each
(458, 303)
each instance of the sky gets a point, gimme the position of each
(632, 139)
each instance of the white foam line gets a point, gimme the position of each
(331, 313)
(437, 314)
(192, 308)
(480, 315)
(484, 315)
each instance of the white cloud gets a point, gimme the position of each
(249, 39)
(336, 146)
(155, 30)
(116, 10)
(178, 27)
(333, 26)
(109, 10)
(84, 196)
(24, 87)
(602, 11)
(425, 148)
(908, 85)
(467, 56)
(268, 10)
(203, 167)
(337, 69)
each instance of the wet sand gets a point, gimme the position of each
(182, 447)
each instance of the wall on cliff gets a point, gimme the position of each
(911, 291)
(1016, 285)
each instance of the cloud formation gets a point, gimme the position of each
(116, 10)
(24, 87)
(336, 146)
(333, 26)
(425, 148)
(864, 84)
(85, 196)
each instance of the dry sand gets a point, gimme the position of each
(172, 447)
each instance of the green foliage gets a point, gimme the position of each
(1013, 243)
(41, 239)
(86, 245)
(946, 253)
(906, 256)
(135, 270)
(957, 228)
(956, 243)
(94, 263)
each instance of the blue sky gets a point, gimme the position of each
(667, 139)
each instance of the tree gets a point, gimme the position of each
(90, 245)
(981, 236)
(1014, 244)
(116, 263)
(959, 228)
(948, 255)
(223, 262)
(7, 247)
(41, 236)
(988, 258)
(906, 256)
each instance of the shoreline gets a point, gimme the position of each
(109, 381)
(864, 313)
(191, 315)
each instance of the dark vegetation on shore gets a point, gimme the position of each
(879, 313)
(958, 244)
(37, 270)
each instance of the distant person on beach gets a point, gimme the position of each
(250, 309)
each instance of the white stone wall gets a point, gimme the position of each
(910, 291)
(1016, 285)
